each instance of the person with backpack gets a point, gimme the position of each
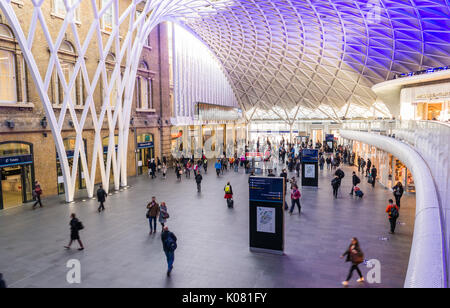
(152, 213)
(295, 198)
(336, 183)
(37, 192)
(393, 213)
(355, 181)
(169, 241)
(355, 255)
(101, 198)
(229, 194)
(398, 193)
(163, 214)
(198, 180)
(75, 227)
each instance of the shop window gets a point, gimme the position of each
(108, 16)
(144, 87)
(59, 9)
(12, 69)
(110, 64)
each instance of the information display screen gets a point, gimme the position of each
(266, 189)
(266, 214)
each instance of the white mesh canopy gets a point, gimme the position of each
(312, 53)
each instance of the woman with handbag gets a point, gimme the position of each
(355, 255)
(163, 214)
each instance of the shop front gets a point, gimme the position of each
(69, 145)
(427, 102)
(390, 169)
(145, 151)
(17, 173)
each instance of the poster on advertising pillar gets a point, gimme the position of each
(265, 221)
(310, 171)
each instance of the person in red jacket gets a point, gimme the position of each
(393, 212)
(295, 197)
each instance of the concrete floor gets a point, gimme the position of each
(212, 240)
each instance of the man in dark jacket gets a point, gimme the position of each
(373, 174)
(336, 183)
(198, 180)
(169, 241)
(2, 282)
(369, 165)
(355, 181)
(101, 198)
(75, 227)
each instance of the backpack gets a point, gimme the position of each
(170, 243)
(228, 189)
(394, 212)
(335, 182)
(357, 180)
(80, 225)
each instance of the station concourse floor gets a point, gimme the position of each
(213, 241)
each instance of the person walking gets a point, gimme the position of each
(152, 213)
(373, 175)
(152, 168)
(295, 198)
(188, 169)
(75, 227)
(355, 255)
(101, 198)
(359, 164)
(169, 241)
(369, 165)
(37, 193)
(336, 183)
(321, 162)
(205, 165)
(363, 165)
(393, 214)
(178, 172)
(198, 180)
(328, 163)
(164, 170)
(355, 181)
(2, 282)
(229, 194)
(218, 167)
(163, 215)
(398, 193)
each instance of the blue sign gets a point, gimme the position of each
(105, 149)
(310, 155)
(329, 138)
(145, 145)
(266, 189)
(16, 160)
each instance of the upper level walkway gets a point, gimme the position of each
(213, 241)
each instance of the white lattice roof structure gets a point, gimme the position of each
(319, 58)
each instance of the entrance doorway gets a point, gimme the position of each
(16, 174)
(145, 152)
(69, 145)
